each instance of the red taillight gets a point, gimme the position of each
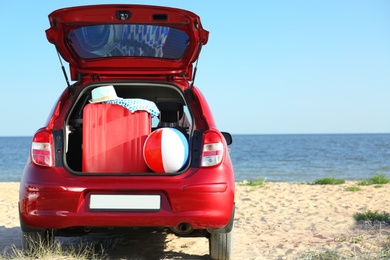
(213, 149)
(42, 148)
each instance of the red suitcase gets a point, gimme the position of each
(113, 139)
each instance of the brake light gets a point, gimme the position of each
(212, 149)
(42, 148)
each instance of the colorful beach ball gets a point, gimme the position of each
(166, 150)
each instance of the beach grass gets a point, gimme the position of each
(372, 216)
(55, 251)
(328, 181)
(258, 182)
(353, 188)
(375, 239)
(335, 255)
(378, 179)
(376, 236)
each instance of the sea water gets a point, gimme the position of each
(14, 152)
(305, 158)
(287, 158)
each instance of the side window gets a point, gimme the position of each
(155, 121)
(185, 119)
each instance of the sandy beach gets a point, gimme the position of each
(277, 221)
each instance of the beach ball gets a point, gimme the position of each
(166, 150)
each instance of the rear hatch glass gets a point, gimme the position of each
(128, 40)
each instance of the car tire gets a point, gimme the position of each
(221, 245)
(33, 241)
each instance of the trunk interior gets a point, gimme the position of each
(96, 140)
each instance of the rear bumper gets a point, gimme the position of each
(202, 203)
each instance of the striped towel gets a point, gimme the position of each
(135, 104)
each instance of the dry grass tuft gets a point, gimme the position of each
(366, 242)
(55, 251)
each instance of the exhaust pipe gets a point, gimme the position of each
(87, 229)
(183, 229)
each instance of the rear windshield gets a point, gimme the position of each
(128, 40)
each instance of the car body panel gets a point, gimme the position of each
(199, 197)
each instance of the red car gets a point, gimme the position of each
(132, 142)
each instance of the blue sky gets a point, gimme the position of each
(270, 67)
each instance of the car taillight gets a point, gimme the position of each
(42, 148)
(212, 149)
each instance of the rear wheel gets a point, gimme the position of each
(221, 245)
(33, 241)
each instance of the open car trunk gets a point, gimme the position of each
(109, 139)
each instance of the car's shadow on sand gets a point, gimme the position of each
(137, 244)
(9, 237)
(130, 244)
